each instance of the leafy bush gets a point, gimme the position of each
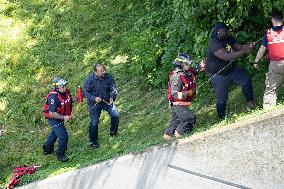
(43, 39)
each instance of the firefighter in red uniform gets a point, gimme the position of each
(57, 110)
(181, 91)
(273, 41)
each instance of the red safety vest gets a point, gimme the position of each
(189, 83)
(275, 44)
(65, 108)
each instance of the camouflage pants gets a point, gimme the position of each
(183, 120)
(274, 78)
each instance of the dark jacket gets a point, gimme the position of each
(96, 87)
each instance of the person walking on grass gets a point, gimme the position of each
(223, 72)
(57, 110)
(181, 91)
(100, 91)
(273, 41)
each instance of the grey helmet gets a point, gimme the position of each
(183, 58)
(58, 81)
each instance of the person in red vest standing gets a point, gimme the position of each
(273, 41)
(181, 91)
(57, 109)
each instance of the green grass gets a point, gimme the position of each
(43, 39)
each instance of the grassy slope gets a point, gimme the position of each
(43, 39)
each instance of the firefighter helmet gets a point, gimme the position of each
(59, 81)
(183, 58)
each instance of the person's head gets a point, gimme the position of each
(59, 84)
(277, 18)
(220, 31)
(184, 61)
(100, 70)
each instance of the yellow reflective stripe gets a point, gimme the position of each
(181, 60)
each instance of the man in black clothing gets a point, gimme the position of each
(221, 52)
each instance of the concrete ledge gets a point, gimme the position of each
(247, 154)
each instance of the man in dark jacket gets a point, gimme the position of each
(100, 91)
(221, 52)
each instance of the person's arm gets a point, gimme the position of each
(87, 89)
(176, 86)
(260, 53)
(228, 56)
(261, 50)
(237, 46)
(200, 67)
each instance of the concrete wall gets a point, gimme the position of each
(243, 155)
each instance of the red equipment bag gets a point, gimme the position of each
(19, 172)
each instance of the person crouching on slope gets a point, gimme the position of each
(181, 91)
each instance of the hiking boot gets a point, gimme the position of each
(113, 135)
(167, 137)
(62, 158)
(95, 146)
(45, 151)
(249, 106)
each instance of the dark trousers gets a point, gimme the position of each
(221, 84)
(58, 130)
(183, 120)
(95, 112)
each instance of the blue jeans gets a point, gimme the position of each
(58, 131)
(221, 84)
(95, 112)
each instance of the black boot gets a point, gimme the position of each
(62, 158)
(46, 151)
(95, 145)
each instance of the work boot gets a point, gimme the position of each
(62, 158)
(249, 106)
(45, 151)
(95, 146)
(167, 137)
(113, 135)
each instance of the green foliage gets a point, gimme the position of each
(137, 40)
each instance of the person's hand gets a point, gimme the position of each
(66, 118)
(202, 65)
(74, 98)
(98, 99)
(247, 48)
(110, 101)
(189, 93)
(255, 65)
(252, 44)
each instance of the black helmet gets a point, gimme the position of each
(58, 81)
(183, 58)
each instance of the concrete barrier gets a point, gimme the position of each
(248, 154)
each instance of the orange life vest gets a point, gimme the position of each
(275, 44)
